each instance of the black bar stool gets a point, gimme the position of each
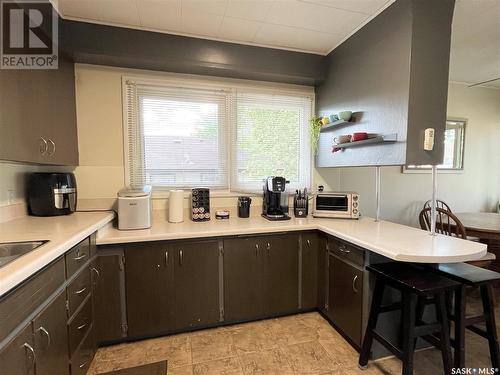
(413, 283)
(469, 275)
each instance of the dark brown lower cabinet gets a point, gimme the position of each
(313, 270)
(345, 297)
(260, 276)
(243, 279)
(18, 357)
(196, 278)
(150, 288)
(51, 338)
(171, 286)
(281, 267)
(108, 283)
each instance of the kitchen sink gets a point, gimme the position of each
(13, 250)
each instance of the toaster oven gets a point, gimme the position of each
(341, 205)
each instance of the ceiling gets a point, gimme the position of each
(475, 45)
(314, 26)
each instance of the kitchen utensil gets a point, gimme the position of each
(346, 138)
(345, 115)
(300, 203)
(359, 136)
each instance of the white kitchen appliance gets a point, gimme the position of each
(338, 205)
(134, 208)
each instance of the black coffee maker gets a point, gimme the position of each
(275, 199)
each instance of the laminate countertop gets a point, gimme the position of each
(62, 232)
(394, 241)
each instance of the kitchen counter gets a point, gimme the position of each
(394, 241)
(62, 232)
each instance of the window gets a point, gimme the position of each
(271, 139)
(454, 143)
(222, 138)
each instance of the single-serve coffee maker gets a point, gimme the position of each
(275, 199)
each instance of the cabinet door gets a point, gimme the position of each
(60, 127)
(51, 338)
(281, 281)
(108, 280)
(18, 357)
(346, 297)
(243, 279)
(196, 277)
(310, 256)
(149, 288)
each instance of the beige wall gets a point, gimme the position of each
(476, 189)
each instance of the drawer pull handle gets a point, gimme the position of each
(44, 331)
(33, 355)
(81, 327)
(354, 284)
(80, 257)
(81, 290)
(181, 257)
(84, 364)
(308, 243)
(256, 249)
(344, 250)
(166, 258)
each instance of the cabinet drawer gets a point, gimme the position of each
(78, 290)
(81, 359)
(77, 256)
(347, 251)
(80, 325)
(19, 303)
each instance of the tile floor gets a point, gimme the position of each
(298, 344)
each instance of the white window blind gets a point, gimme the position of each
(177, 137)
(271, 138)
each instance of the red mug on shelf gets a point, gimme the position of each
(359, 136)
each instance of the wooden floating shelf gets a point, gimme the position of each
(335, 125)
(383, 138)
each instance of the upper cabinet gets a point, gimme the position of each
(393, 74)
(38, 115)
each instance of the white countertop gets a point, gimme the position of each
(62, 232)
(394, 241)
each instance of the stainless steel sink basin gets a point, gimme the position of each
(13, 250)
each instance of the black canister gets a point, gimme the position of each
(244, 206)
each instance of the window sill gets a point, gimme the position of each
(164, 194)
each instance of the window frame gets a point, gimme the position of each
(201, 82)
(454, 122)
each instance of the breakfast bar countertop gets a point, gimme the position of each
(394, 241)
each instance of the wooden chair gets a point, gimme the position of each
(446, 223)
(439, 204)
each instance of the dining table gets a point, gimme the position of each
(486, 227)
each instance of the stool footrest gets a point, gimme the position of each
(471, 320)
(478, 331)
(388, 345)
(391, 307)
(427, 329)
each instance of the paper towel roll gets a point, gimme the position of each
(176, 206)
